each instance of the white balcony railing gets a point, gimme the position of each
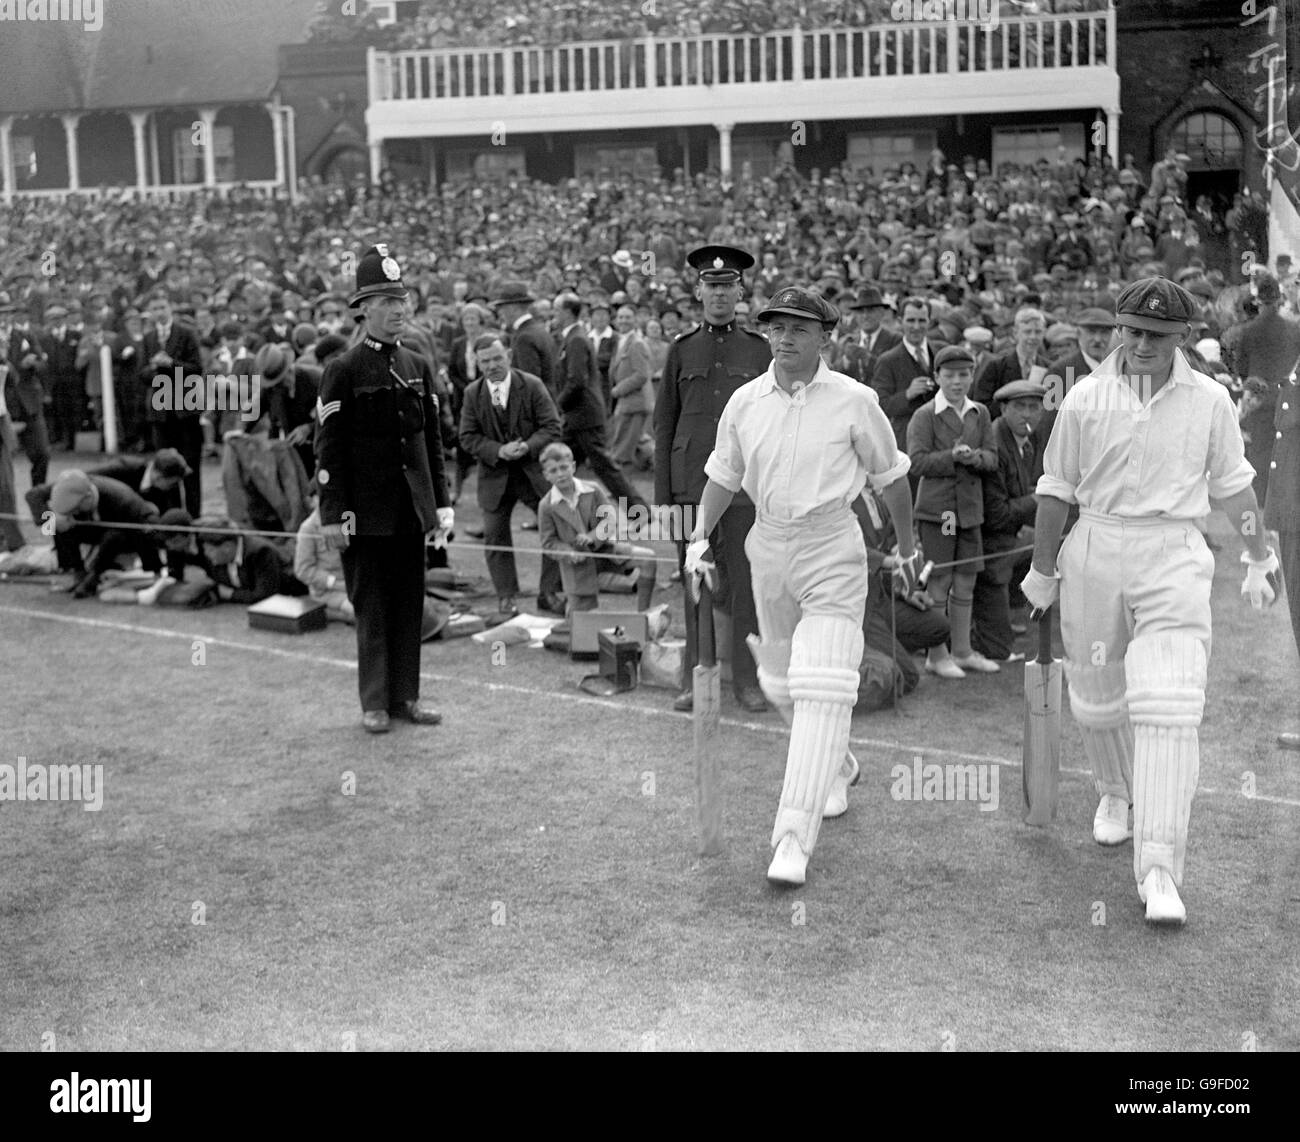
(1015, 44)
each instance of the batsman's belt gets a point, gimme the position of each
(1146, 521)
(828, 517)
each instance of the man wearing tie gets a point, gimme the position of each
(531, 348)
(904, 378)
(168, 347)
(506, 420)
(864, 347)
(1017, 363)
(1009, 505)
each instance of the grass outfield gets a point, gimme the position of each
(524, 875)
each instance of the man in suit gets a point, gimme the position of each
(904, 375)
(379, 467)
(603, 341)
(1015, 364)
(1097, 338)
(629, 384)
(703, 369)
(169, 348)
(21, 350)
(507, 418)
(160, 480)
(531, 348)
(1009, 505)
(863, 347)
(62, 378)
(1268, 348)
(79, 506)
(582, 406)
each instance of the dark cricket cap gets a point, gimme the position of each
(1156, 304)
(1095, 318)
(955, 355)
(378, 275)
(719, 263)
(795, 301)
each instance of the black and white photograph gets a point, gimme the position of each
(648, 526)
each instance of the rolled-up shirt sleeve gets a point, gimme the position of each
(1229, 471)
(1060, 477)
(726, 463)
(874, 442)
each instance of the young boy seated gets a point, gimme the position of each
(950, 441)
(573, 522)
(321, 568)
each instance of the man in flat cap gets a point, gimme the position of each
(81, 508)
(380, 474)
(1009, 505)
(702, 370)
(802, 442)
(1142, 445)
(1097, 340)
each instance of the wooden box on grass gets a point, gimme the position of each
(290, 614)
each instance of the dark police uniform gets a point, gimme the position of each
(703, 368)
(379, 467)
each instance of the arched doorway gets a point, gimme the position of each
(1217, 151)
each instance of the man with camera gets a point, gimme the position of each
(904, 376)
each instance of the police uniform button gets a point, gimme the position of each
(1279, 436)
(322, 476)
(1273, 464)
(1285, 406)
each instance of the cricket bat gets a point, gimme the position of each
(707, 694)
(1042, 740)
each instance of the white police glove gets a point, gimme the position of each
(1261, 579)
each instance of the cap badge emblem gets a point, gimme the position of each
(391, 270)
(718, 263)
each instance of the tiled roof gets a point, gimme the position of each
(149, 53)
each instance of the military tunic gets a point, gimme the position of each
(703, 368)
(380, 470)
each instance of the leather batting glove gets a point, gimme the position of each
(1261, 580)
(1041, 591)
(905, 574)
(700, 565)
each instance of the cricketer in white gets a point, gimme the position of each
(1142, 445)
(803, 441)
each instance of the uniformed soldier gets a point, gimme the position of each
(703, 368)
(379, 467)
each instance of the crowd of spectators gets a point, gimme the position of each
(498, 23)
(264, 282)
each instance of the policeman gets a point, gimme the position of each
(379, 467)
(704, 367)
